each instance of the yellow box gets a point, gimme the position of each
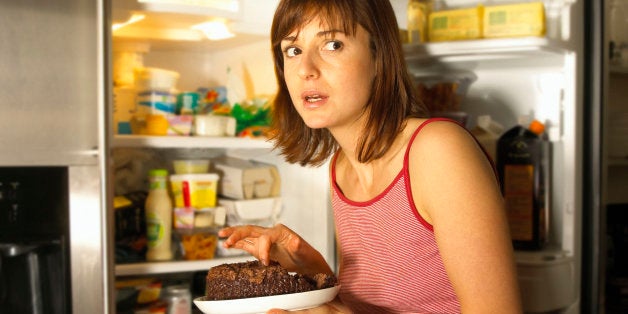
(514, 20)
(455, 24)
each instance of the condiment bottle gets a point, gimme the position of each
(520, 154)
(158, 210)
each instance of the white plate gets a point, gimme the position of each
(292, 301)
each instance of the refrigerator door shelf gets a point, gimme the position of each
(546, 279)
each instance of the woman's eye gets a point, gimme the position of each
(292, 51)
(333, 45)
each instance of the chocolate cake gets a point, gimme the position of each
(253, 279)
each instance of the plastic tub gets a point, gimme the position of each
(194, 190)
(155, 79)
(198, 244)
(252, 210)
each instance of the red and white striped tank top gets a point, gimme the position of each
(391, 263)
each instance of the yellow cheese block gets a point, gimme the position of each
(514, 20)
(455, 24)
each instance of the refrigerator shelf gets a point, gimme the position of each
(482, 49)
(617, 161)
(140, 141)
(619, 69)
(153, 268)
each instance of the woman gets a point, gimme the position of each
(419, 216)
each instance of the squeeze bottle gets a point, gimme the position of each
(158, 210)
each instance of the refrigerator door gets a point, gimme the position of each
(53, 93)
(593, 226)
(51, 77)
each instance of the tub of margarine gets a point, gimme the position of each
(196, 190)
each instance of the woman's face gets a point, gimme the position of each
(329, 74)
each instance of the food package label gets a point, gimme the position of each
(455, 24)
(514, 20)
(194, 190)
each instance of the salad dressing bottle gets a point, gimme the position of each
(158, 211)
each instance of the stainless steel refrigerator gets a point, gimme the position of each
(53, 95)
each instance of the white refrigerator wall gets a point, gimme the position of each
(252, 63)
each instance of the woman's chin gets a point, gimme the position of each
(316, 124)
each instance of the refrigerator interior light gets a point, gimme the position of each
(214, 30)
(133, 19)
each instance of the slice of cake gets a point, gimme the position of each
(253, 279)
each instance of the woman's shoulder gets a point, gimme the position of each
(442, 146)
(437, 133)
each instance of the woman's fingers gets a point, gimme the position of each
(256, 240)
(264, 244)
(235, 234)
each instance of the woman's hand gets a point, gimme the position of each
(333, 307)
(278, 243)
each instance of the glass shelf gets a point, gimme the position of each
(141, 141)
(469, 53)
(617, 161)
(619, 69)
(152, 268)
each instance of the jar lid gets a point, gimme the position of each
(158, 173)
(176, 290)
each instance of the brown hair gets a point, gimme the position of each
(393, 97)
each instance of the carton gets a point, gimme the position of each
(245, 179)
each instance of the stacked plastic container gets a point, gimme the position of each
(196, 214)
(156, 100)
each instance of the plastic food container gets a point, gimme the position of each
(253, 210)
(198, 244)
(191, 166)
(155, 79)
(443, 93)
(194, 190)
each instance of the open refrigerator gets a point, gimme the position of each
(164, 40)
(548, 78)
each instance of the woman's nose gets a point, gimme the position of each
(308, 67)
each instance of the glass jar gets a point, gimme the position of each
(179, 300)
